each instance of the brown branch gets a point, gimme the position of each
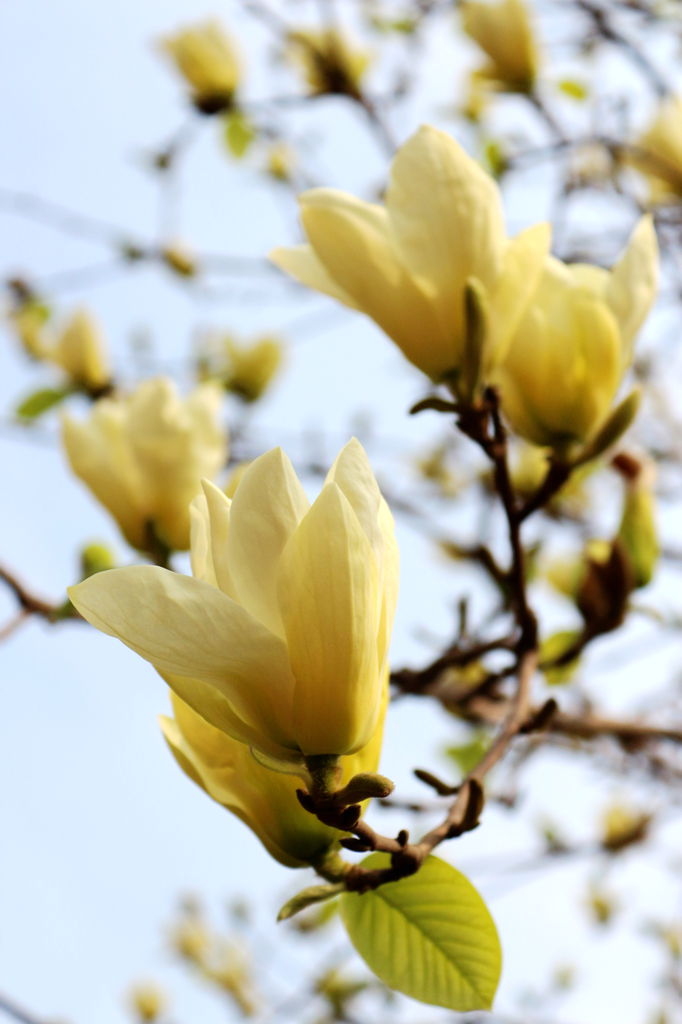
(604, 27)
(629, 732)
(481, 421)
(27, 601)
(408, 680)
(16, 1012)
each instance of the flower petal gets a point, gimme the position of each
(201, 557)
(100, 456)
(522, 266)
(328, 599)
(186, 627)
(301, 262)
(208, 702)
(352, 472)
(267, 507)
(352, 240)
(219, 509)
(633, 282)
(446, 217)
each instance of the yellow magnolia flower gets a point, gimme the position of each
(573, 344)
(328, 62)
(28, 320)
(148, 1001)
(504, 32)
(206, 58)
(78, 348)
(407, 264)
(263, 799)
(281, 161)
(251, 368)
(657, 152)
(80, 351)
(281, 638)
(143, 457)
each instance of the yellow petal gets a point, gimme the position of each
(564, 365)
(201, 557)
(522, 266)
(633, 283)
(264, 800)
(328, 600)
(225, 784)
(446, 217)
(353, 241)
(352, 472)
(267, 507)
(80, 351)
(213, 707)
(175, 443)
(301, 262)
(219, 508)
(186, 627)
(503, 30)
(100, 456)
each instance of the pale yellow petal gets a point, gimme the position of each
(446, 218)
(563, 367)
(187, 627)
(522, 266)
(213, 707)
(267, 507)
(225, 784)
(390, 579)
(352, 472)
(201, 557)
(100, 456)
(328, 599)
(301, 263)
(219, 511)
(353, 241)
(633, 283)
(81, 352)
(264, 800)
(503, 30)
(175, 443)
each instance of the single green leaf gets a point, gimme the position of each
(239, 133)
(35, 404)
(307, 898)
(467, 755)
(429, 936)
(553, 649)
(495, 158)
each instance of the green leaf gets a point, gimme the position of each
(553, 648)
(467, 755)
(495, 158)
(307, 898)
(239, 133)
(429, 936)
(35, 404)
